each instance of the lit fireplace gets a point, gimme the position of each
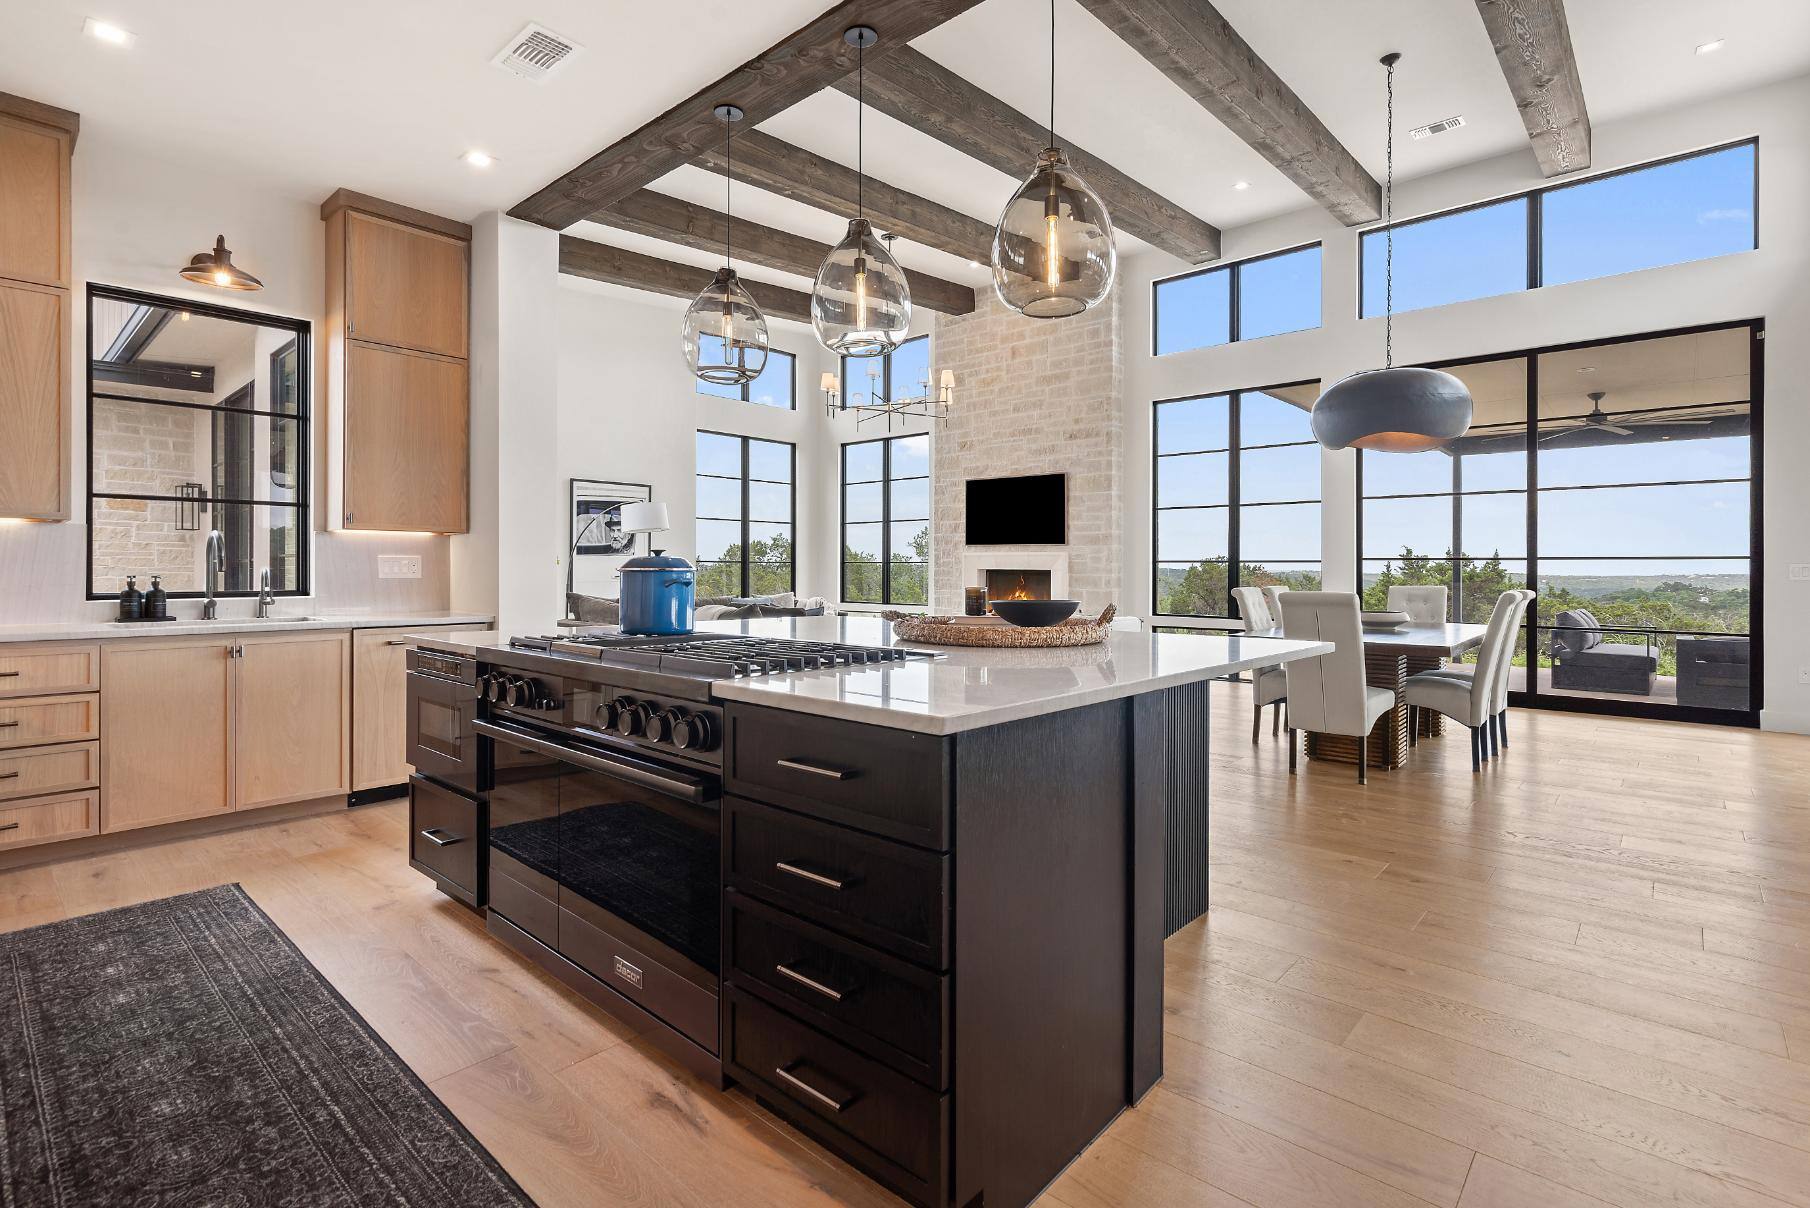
(1018, 584)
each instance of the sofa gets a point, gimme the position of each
(1715, 673)
(598, 610)
(1582, 661)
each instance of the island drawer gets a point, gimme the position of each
(881, 1120)
(445, 833)
(43, 720)
(887, 894)
(35, 770)
(48, 819)
(48, 670)
(884, 1006)
(891, 782)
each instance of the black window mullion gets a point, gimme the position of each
(1458, 551)
(1234, 475)
(886, 505)
(1531, 621)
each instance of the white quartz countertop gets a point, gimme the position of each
(190, 626)
(966, 687)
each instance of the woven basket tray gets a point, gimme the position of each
(944, 631)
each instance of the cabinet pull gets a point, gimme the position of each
(8, 725)
(14, 775)
(815, 769)
(809, 983)
(397, 642)
(6, 826)
(829, 1101)
(816, 878)
(10, 674)
(433, 834)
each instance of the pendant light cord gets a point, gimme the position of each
(860, 128)
(1389, 229)
(728, 175)
(1052, 73)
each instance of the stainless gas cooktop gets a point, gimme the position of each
(711, 655)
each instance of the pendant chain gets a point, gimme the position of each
(1389, 232)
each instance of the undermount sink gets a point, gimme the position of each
(282, 620)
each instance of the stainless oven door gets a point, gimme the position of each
(441, 741)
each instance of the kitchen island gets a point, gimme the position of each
(944, 886)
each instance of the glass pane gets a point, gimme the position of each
(720, 498)
(1393, 527)
(168, 538)
(911, 540)
(773, 388)
(911, 368)
(1406, 473)
(1493, 459)
(863, 378)
(719, 454)
(1493, 524)
(910, 582)
(1285, 531)
(1471, 254)
(1189, 479)
(769, 542)
(770, 501)
(719, 579)
(861, 501)
(1379, 575)
(1193, 589)
(1605, 661)
(770, 578)
(1483, 580)
(1286, 473)
(770, 460)
(1190, 534)
(1266, 418)
(1194, 311)
(145, 449)
(1686, 210)
(1677, 446)
(863, 462)
(1279, 294)
(861, 582)
(1191, 424)
(719, 540)
(911, 499)
(910, 456)
(861, 543)
(1695, 595)
(1296, 576)
(1705, 520)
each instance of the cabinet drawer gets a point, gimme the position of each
(887, 894)
(898, 1126)
(35, 770)
(40, 721)
(47, 819)
(49, 670)
(890, 782)
(887, 1008)
(444, 835)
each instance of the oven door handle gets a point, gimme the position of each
(694, 789)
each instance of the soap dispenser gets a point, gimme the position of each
(131, 600)
(157, 601)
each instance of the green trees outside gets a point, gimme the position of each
(769, 569)
(1204, 589)
(910, 573)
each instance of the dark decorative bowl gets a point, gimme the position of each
(1034, 614)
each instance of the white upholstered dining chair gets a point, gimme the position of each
(1496, 729)
(1269, 686)
(1329, 695)
(1424, 605)
(1469, 700)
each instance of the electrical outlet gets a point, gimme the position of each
(398, 566)
(1800, 572)
(1803, 675)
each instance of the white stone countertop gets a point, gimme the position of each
(966, 687)
(191, 627)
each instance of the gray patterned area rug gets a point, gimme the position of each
(184, 1054)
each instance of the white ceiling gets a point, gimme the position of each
(385, 97)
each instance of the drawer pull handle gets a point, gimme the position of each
(829, 1101)
(809, 983)
(12, 775)
(6, 826)
(397, 642)
(11, 674)
(814, 769)
(7, 725)
(439, 837)
(815, 878)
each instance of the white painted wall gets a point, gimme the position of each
(1769, 283)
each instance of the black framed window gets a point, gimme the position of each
(902, 373)
(777, 385)
(1621, 480)
(198, 422)
(886, 521)
(1245, 300)
(747, 513)
(1688, 207)
(1236, 497)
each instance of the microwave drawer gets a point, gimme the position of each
(886, 894)
(446, 835)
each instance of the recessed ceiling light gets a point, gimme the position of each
(478, 159)
(1710, 48)
(1241, 185)
(106, 31)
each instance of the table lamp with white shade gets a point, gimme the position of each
(658, 589)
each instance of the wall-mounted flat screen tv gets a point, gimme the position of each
(1028, 510)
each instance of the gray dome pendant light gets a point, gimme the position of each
(725, 333)
(1392, 410)
(861, 303)
(1053, 250)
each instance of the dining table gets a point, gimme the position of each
(1390, 657)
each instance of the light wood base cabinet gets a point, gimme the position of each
(291, 718)
(379, 709)
(48, 819)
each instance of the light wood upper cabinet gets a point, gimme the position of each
(291, 723)
(34, 336)
(379, 709)
(166, 713)
(407, 451)
(34, 196)
(405, 287)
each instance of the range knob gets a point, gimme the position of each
(696, 732)
(631, 716)
(665, 725)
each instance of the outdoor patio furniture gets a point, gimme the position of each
(1715, 673)
(1583, 661)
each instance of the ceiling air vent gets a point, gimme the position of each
(1432, 128)
(535, 53)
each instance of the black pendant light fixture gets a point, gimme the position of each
(216, 268)
(725, 333)
(861, 304)
(1053, 251)
(1392, 410)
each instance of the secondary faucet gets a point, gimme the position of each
(265, 599)
(216, 562)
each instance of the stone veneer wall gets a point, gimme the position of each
(1034, 396)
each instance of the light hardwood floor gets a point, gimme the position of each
(1581, 978)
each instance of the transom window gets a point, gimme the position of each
(886, 521)
(746, 515)
(1246, 300)
(902, 373)
(777, 385)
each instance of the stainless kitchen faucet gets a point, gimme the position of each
(265, 599)
(216, 562)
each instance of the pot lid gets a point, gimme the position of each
(658, 560)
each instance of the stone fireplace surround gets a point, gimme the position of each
(978, 560)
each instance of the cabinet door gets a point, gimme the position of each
(407, 460)
(291, 718)
(166, 719)
(34, 325)
(405, 287)
(34, 202)
(379, 709)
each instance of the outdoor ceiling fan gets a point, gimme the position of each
(1629, 421)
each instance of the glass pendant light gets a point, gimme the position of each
(1053, 250)
(1392, 410)
(216, 268)
(861, 304)
(725, 333)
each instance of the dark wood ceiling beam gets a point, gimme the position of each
(619, 266)
(804, 63)
(1188, 41)
(911, 87)
(778, 167)
(1532, 42)
(659, 216)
